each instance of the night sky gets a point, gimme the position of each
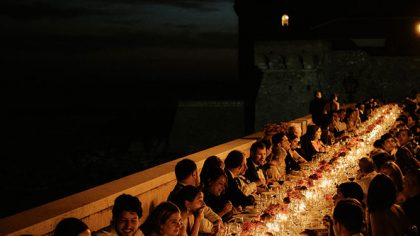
(84, 80)
(125, 39)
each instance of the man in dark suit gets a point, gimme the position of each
(255, 162)
(235, 163)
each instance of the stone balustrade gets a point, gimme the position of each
(94, 205)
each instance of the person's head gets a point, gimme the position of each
(348, 190)
(404, 136)
(366, 165)
(348, 217)
(388, 142)
(294, 141)
(360, 107)
(295, 130)
(411, 120)
(189, 200)
(216, 182)
(164, 220)
(393, 171)
(71, 227)
(209, 164)
(280, 140)
(334, 97)
(380, 158)
(126, 214)
(318, 94)
(335, 116)
(235, 162)
(258, 153)
(268, 145)
(314, 132)
(381, 193)
(186, 172)
(412, 183)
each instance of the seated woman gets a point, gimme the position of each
(352, 119)
(71, 227)
(313, 145)
(295, 150)
(165, 220)
(209, 164)
(213, 188)
(385, 217)
(190, 202)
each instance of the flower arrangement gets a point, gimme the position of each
(273, 128)
(249, 228)
(274, 209)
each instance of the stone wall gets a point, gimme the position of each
(293, 70)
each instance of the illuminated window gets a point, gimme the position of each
(285, 20)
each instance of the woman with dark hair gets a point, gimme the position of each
(214, 187)
(209, 164)
(312, 144)
(295, 150)
(71, 227)
(190, 202)
(386, 218)
(165, 220)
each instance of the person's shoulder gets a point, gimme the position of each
(105, 233)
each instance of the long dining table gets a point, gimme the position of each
(306, 196)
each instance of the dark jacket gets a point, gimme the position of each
(234, 193)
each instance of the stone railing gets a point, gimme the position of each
(94, 205)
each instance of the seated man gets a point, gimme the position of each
(348, 218)
(255, 162)
(126, 214)
(235, 164)
(187, 174)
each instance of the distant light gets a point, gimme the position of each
(285, 20)
(418, 28)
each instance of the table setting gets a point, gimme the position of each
(306, 196)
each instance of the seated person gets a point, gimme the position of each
(365, 173)
(235, 165)
(313, 144)
(71, 227)
(255, 163)
(281, 142)
(209, 164)
(276, 168)
(187, 175)
(338, 126)
(385, 217)
(214, 193)
(295, 150)
(411, 191)
(348, 218)
(126, 214)
(165, 220)
(406, 139)
(190, 202)
(348, 190)
(392, 170)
